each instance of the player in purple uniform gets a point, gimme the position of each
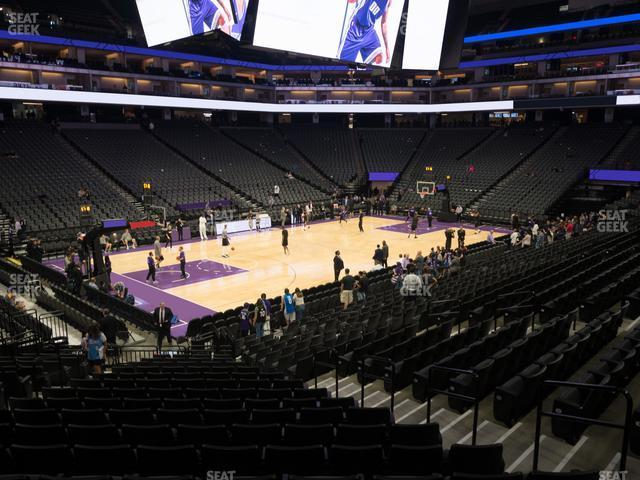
(208, 15)
(362, 38)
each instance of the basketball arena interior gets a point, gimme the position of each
(320, 239)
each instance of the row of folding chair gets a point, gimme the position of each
(154, 403)
(193, 416)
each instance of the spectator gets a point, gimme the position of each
(412, 284)
(245, 320)
(288, 307)
(346, 289)
(95, 346)
(162, 317)
(298, 300)
(338, 265)
(261, 315)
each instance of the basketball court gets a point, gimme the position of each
(258, 263)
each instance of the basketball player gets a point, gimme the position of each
(202, 227)
(225, 242)
(250, 220)
(285, 241)
(257, 223)
(241, 15)
(362, 37)
(157, 250)
(183, 263)
(151, 265)
(343, 215)
(414, 225)
(360, 218)
(207, 15)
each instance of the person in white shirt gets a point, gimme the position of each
(534, 230)
(514, 238)
(202, 225)
(491, 238)
(526, 240)
(412, 283)
(276, 191)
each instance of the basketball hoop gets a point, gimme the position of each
(425, 188)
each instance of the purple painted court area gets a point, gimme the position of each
(197, 271)
(148, 297)
(436, 226)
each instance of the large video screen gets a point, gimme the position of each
(424, 37)
(167, 20)
(359, 31)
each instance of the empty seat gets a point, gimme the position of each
(43, 459)
(201, 434)
(406, 434)
(356, 459)
(308, 434)
(244, 460)
(301, 460)
(478, 459)
(415, 460)
(104, 459)
(268, 434)
(93, 435)
(153, 460)
(154, 435)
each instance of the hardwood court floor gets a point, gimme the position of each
(267, 269)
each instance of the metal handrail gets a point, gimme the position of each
(363, 368)
(625, 427)
(475, 399)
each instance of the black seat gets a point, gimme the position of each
(39, 434)
(140, 416)
(84, 417)
(361, 435)
(418, 435)
(356, 459)
(321, 416)
(104, 459)
(308, 434)
(174, 460)
(279, 416)
(43, 459)
(93, 435)
(244, 460)
(201, 434)
(41, 416)
(154, 435)
(415, 460)
(225, 417)
(369, 416)
(189, 416)
(478, 459)
(261, 435)
(302, 460)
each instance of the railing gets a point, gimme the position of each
(365, 375)
(625, 427)
(332, 352)
(475, 399)
(136, 355)
(54, 321)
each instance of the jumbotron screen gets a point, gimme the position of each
(168, 20)
(425, 33)
(359, 31)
